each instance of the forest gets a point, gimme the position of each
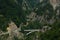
(29, 19)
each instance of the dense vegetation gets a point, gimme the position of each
(18, 10)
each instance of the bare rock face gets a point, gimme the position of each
(12, 26)
(53, 3)
(13, 31)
